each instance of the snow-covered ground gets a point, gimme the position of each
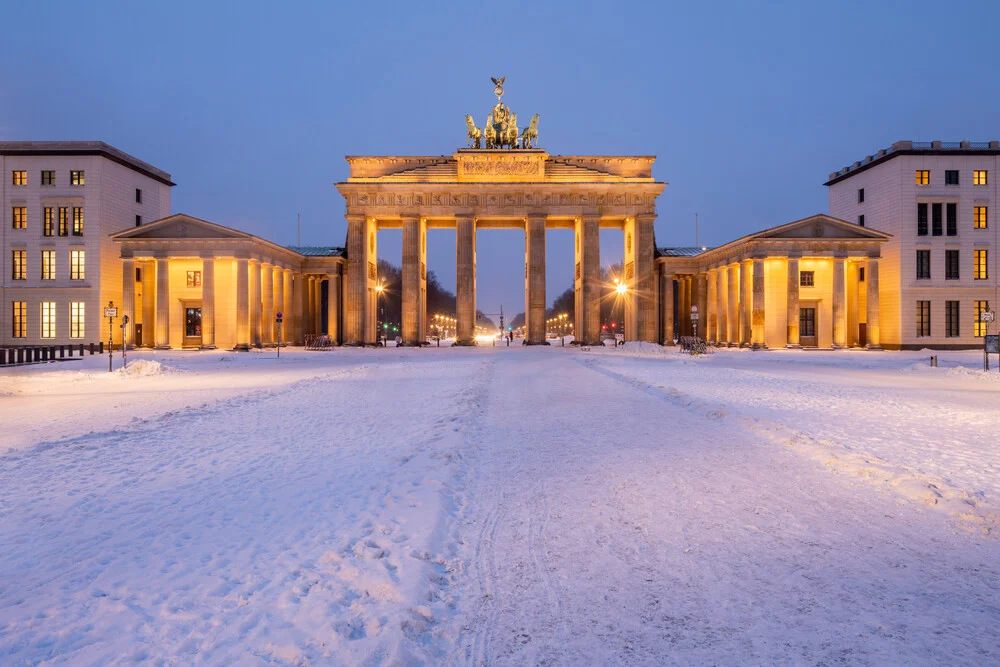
(501, 505)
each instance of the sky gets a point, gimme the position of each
(252, 106)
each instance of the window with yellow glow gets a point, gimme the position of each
(76, 178)
(76, 265)
(63, 221)
(19, 264)
(979, 177)
(48, 265)
(194, 278)
(19, 178)
(979, 326)
(76, 319)
(20, 319)
(923, 177)
(77, 221)
(48, 221)
(20, 214)
(980, 217)
(48, 319)
(980, 264)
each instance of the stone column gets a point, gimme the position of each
(793, 302)
(758, 322)
(303, 304)
(465, 281)
(162, 304)
(148, 303)
(702, 304)
(288, 326)
(746, 298)
(255, 304)
(279, 304)
(333, 307)
(839, 303)
(242, 304)
(690, 299)
(667, 295)
(644, 280)
(871, 278)
(733, 319)
(128, 301)
(712, 332)
(587, 281)
(208, 303)
(682, 305)
(414, 262)
(361, 277)
(267, 304)
(316, 284)
(722, 330)
(534, 281)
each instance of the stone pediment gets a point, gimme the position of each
(821, 227)
(181, 226)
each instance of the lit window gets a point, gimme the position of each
(138, 196)
(19, 264)
(76, 265)
(20, 319)
(980, 218)
(20, 217)
(807, 278)
(923, 318)
(48, 265)
(980, 264)
(979, 177)
(77, 221)
(923, 177)
(19, 177)
(951, 319)
(951, 177)
(194, 278)
(48, 319)
(979, 327)
(48, 221)
(63, 221)
(76, 319)
(76, 178)
(48, 178)
(923, 264)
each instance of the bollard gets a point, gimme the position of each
(45, 354)
(62, 351)
(20, 355)
(102, 347)
(36, 354)
(52, 352)
(91, 349)
(934, 361)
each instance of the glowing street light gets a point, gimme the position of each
(620, 287)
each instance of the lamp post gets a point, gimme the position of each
(378, 326)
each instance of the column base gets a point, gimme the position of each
(533, 342)
(834, 346)
(208, 347)
(793, 346)
(758, 346)
(161, 347)
(873, 347)
(241, 347)
(465, 343)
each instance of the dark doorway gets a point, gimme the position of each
(862, 334)
(807, 327)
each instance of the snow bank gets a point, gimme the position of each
(144, 368)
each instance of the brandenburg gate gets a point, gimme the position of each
(509, 183)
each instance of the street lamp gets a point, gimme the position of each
(379, 289)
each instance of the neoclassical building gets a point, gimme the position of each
(809, 283)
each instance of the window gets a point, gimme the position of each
(49, 221)
(979, 261)
(936, 220)
(48, 265)
(19, 265)
(77, 221)
(194, 278)
(923, 177)
(861, 274)
(980, 217)
(951, 319)
(861, 221)
(807, 278)
(978, 326)
(138, 221)
(76, 178)
(923, 264)
(20, 319)
(861, 195)
(48, 319)
(20, 217)
(923, 318)
(76, 319)
(138, 196)
(951, 262)
(19, 177)
(807, 322)
(979, 177)
(48, 178)
(951, 177)
(921, 219)
(76, 265)
(951, 219)
(63, 221)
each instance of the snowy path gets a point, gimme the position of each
(492, 506)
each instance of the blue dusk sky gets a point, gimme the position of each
(252, 106)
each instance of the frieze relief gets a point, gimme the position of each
(505, 168)
(634, 204)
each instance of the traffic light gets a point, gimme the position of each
(614, 324)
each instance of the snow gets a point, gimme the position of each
(501, 505)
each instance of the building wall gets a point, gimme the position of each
(776, 302)
(891, 198)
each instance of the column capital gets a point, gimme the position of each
(645, 217)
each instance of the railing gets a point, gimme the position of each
(15, 356)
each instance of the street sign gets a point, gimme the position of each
(987, 316)
(993, 344)
(278, 317)
(694, 313)
(111, 311)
